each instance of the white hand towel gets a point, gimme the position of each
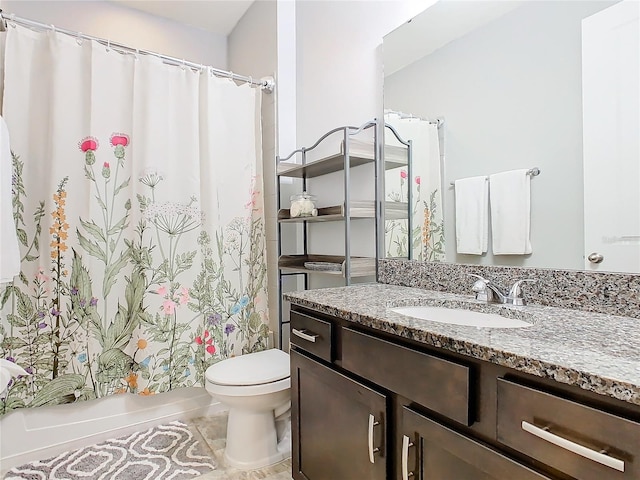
(9, 250)
(510, 194)
(472, 207)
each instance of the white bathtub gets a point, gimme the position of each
(38, 433)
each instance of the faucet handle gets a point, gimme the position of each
(515, 292)
(483, 293)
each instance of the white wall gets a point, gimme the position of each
(127, 26)
(339, 61)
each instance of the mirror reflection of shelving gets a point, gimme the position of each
(336, 240)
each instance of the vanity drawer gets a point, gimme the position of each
(566, 435)
(312, 335)
(437, 384)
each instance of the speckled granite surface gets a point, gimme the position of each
(612, 293)
(597, 352)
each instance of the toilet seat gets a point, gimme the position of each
(252, 374)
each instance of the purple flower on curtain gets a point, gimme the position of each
(229, 328)
(93, 302)
(214, 319)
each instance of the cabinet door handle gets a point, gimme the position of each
(372, 423)
(305, 336)
(573, 447)
(406, 443)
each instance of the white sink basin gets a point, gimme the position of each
(461, 317)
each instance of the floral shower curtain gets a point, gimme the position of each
(426, 185)
(138, 206)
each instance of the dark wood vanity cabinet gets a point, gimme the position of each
(370, 405)
(339, 424)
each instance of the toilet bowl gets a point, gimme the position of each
(257, 389)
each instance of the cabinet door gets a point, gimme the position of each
(431, 451)
(338, 425)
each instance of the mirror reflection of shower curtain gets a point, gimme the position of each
(426, 184)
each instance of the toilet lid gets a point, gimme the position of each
(251, 369)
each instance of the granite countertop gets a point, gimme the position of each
(597, 352)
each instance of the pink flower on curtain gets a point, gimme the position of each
(89, 145)
(207, 341)
(184, 296)
(403, 174)
(162, 291)
(119, 139)
(418, 180)
(106, 170)
(169, 307)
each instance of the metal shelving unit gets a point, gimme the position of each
(349, 210)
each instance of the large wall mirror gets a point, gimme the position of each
(483, 87)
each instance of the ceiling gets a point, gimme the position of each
(216, 16)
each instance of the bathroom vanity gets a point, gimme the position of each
(380, 395)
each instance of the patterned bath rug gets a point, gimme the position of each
(166, 452)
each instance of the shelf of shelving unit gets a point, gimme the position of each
(331, 164)
(359, 209)
(294, 264)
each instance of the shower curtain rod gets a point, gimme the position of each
(438, 121)
(267, 84)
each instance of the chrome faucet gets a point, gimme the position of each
(487, 291)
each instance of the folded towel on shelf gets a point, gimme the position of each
(472, 207)
(9, 250)
(510, 198)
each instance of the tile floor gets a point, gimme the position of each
(212, 431)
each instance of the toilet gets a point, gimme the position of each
(257, 389)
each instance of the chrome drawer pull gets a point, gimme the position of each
(406, 443)
(574, 447)
(372, 423)
(304, 336)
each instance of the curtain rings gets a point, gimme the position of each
(79, 38)
(108, 45)
(12, 20)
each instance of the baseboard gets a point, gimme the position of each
(35, 434)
